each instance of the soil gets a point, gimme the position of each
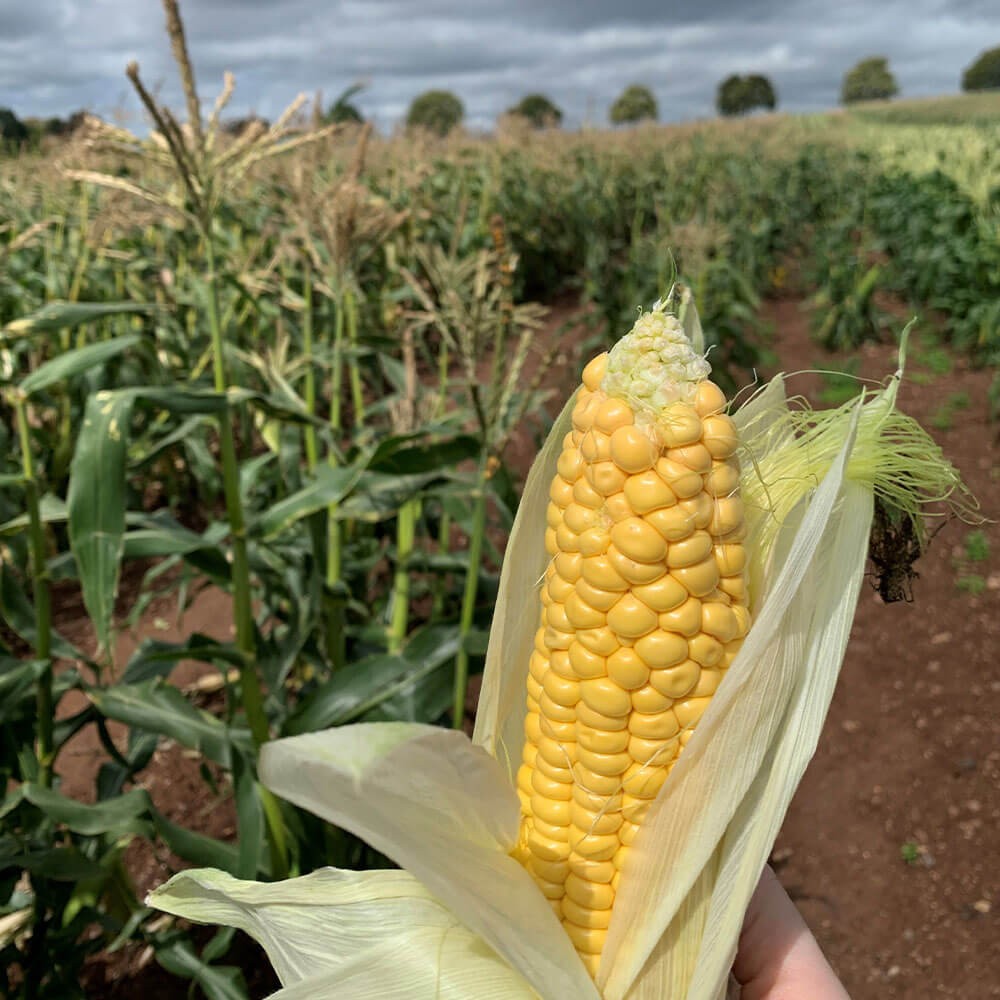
(890, 847)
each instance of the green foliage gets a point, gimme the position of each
(635, 103)
(869, 80)
(538, 110)
(438, 111)
(739, 95)
(943, 418)
(977, 546)
(12, 130)
(343, 111)
(984, 72)
(910, 852)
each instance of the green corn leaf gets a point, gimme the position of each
(351, 693)
(61, 864)
(17, 683)
(160, 708)
(72, 363)
(378, 495)
(55, 316)
(51, 510)
(249, 815)
(217, 982)
(96, 503)
(195, 847)
(18, 614)
(123, 814)
(156, 659)
(329, 486)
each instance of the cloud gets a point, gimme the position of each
(59, 55)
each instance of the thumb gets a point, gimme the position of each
(778, 958)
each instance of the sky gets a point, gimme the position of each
(57, 56)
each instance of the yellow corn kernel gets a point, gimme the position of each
(632, 450)
(627, 669)
(561, 730)
(581, 614)
(589, 940)
(709, 399)
(652, 752)
(695, 457)
(594, 372)
(555, 639)
(734, 587)
(683, 481)
(637, 540)
(561, 492)
(645, 491)
(585, 917)
(554, 811)
(617, 507)
(545, 786)
(628, 833)
(648, 700)
(586, 663)
(595, 446)
(696, 548)
(546, 848)
(612, 414)
(601, 821)
(727, 516)
(636, 573)
(561, 690)
(699, 579)
(602, 641)
(631, 618)
(600, 572)
(676, 681)
(569, 565)
(661, 726)
(561, 775)
(720, 436)
(604, 696)
(718, 621)
(587, 716)
(646, 780)
(600, 600)
(600, 740)
(673, 523)
(660, 649)
(679, 425)
(661, 595)
(556, 753)
(570, 464)
(589, 891)
(551, 871)
(708, 683)
(605, 477)
(585, 495)
(634, 809)
(690, 711)
(594, 541)
(596, 784)
(723, 479)
(705, 649)
(579, 518)
(685, 620)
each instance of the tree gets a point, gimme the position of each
(984, 73)
(436, 110)
(633, 105)
(538, 110)
(738, 95)
(870, 80)
(12, 129)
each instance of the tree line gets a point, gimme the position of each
(440, 111)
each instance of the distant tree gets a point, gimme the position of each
(738, 95)
(761, 93)
(12, 129)
(436, 110)
(539, 110)
(870, 80)
(238, 126)
(343, 110)
(984, 73)
(634, 104)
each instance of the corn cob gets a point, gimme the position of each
(643, 608)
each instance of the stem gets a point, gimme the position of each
(441, 584)
(42, 596)
(310, 386)
(253, 703)
(336, 649)
(405, 533)
(357, 396)
(469, 597)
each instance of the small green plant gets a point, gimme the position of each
(977, 546)
(943, 418)
(932, 355)
(910, 852)
(971, 583)
(840, 381)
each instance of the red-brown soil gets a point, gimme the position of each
(909, 761)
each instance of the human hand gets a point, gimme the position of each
(778, 958)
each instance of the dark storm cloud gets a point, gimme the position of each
(57, 55)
